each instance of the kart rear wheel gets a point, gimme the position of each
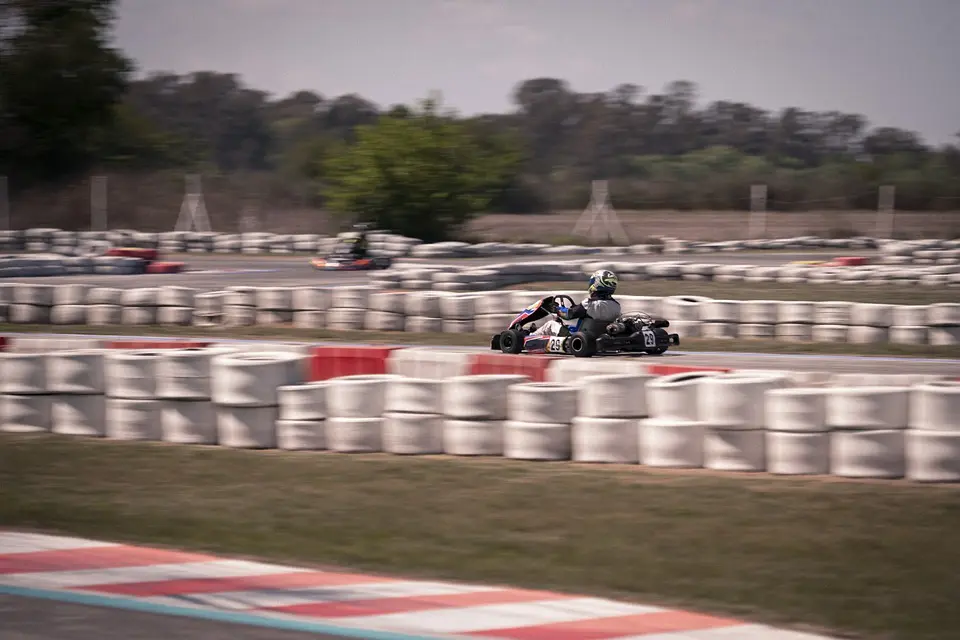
(581, 345)
(511, 342)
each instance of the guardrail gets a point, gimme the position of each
(369, 308)
(559, 410)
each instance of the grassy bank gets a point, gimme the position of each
(877, 559)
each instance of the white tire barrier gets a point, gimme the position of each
(671, 443)
(23, 373)
(25, 413)
(414, 395)
(354, 435)
(480, 397)
(188, 421)
(798, 452)
(676, 397)
(247, 427)
(252, 379)
(413, 416)
(133, 419)
(933, 456)
(935, 406)
(878, 453)
(736, 401)
(610, 440)
(868, 408)
(303, 402)
(613, 396)
(536, 440)
(542, 402)
(797, 410)
(131, 375)
(359, 396)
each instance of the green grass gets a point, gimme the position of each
(888, 294)
(283, 333)
(877, 560)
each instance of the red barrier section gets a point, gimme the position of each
(851, 261)
(156, 344)
(166, 267)
(334, 362)
(671, 369)
(3, 343)
(533, 366)
(133, 252)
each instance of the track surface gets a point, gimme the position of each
(212, 272)
(31, 619)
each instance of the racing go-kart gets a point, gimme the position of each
(343, 259)
(636, 332)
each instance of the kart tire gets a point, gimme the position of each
(511, 342)
(659, 351)
(581, 345)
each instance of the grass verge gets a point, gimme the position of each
(885, 294)
(876, 560)
(283, 333)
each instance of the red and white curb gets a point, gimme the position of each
(175, 579)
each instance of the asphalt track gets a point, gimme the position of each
(213, 272)
(36, 619)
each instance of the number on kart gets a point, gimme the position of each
(649, 340)
(555, 345)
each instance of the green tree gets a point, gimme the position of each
(59, 84)
(423, 175)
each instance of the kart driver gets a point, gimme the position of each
(598, 309)
(358, 242)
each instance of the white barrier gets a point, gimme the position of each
(743, 421)
(365, 308)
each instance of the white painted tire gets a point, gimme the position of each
(541, 403)
(102, 315)
(796, 312)
(458, 307)
(412, 433)
(25, 414)
(184, 374)
(736, 401)
(422, 304)
(175, 316)
(80, 415)
(759, 312)
(868, 408)
(252, 379)
(944, 336)
(301, 435)
(868, 335)
(75, 294)
(832, 313)
(37, 295)
(830, 333)
(794, 332)
(309, 319)
(171, 296)
(614, 396)
(247, 427)
(910, 316)
(311, 299)
(188, 422)
(935, 406)
(414, 395)
(611, 440)
(536, 441)
(801, 410)
(303, 402)
(274, 298)
(942, 314)
(674, 397)
(104, 296)
(671, 444)
(419, 324)
(795, 454)
(932, 456)
(132, 374)
(575, 371)
(868, 454)
(138, 316)
(734, 450)
(721, 311)
(23, 373)
(757, 331)
(909, 335)
(129, 419)
(355, 435)
(719, 330)
(871, 315)
(481, 397)
(68, 314)
(76, 372)
(360, 396)
(384, 321)
(139, 297)
(343, 319)
(473, 437)
(350, 298)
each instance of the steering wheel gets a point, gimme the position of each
(555, 303)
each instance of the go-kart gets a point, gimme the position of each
(636, 332)
(343, 259)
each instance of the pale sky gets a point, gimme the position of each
(895, 61)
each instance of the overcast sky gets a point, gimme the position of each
(895, 61)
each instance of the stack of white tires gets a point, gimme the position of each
(933, 437)
(475, 412)
(301, 425)
(133, 407)
(540, 421)
(608, 423)
(185, 389)
(413, 416)
(356, 405)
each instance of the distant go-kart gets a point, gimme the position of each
(344, 260)
(636, 332)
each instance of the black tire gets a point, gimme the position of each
(511, 342)
(659, 351)
(581, 345)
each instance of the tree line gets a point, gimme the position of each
(70, 105)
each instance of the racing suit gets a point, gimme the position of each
(358, 247)
(597, 310)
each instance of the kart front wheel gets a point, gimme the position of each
(581, 345)
(511, 342)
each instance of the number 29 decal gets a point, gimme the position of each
(555, 345)
(649, 340)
